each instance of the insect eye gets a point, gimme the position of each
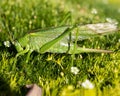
(23, 47)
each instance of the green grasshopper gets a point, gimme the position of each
(61, 39)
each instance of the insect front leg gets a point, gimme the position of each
(21, 53)
(28, 55)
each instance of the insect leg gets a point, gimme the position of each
(82, 50)
(23, 52)
(48, 45)
(69, 42)
(28, 55)
(20, 53)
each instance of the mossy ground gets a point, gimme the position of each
(52, 71)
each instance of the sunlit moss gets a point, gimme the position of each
(52, 72)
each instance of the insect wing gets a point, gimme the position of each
(94, 30)
(41, 37)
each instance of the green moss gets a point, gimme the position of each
(52, 71)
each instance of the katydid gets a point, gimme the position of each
(58, 40)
